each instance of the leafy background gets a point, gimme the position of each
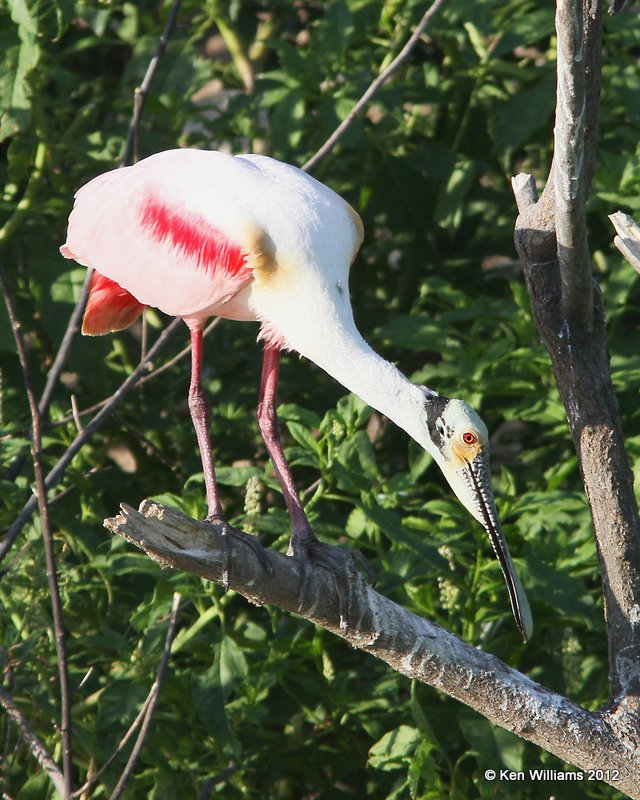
(267, 704)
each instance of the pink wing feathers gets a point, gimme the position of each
(156, 239)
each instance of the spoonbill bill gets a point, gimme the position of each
(197, 233)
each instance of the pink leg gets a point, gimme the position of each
(301, 532)
(304, 544)
(199, 409)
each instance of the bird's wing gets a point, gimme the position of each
(172, 231)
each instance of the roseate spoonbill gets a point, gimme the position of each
(246, 237)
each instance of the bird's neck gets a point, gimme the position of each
(344, 354)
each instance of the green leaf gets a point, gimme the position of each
(301, 434)
(449, 205)
(66, 288)
(35, 788)
(515, 120)
(209, 695)
(395, 749)
(495, 746)
(19, 62)
(233, 664)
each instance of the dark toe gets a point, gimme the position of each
(343, 565)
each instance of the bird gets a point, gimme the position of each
(197, 233)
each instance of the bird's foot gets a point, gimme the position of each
(341, 562)
(227, 532)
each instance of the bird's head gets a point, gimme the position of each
(459, 442)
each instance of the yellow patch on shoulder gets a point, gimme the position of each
(260, 251)
(359, 230)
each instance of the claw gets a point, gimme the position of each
(224, 529)
(342, 563)
(227, 531)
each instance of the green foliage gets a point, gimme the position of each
(285, 708)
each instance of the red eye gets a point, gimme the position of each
(469, 437)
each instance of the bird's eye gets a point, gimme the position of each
(469, 437)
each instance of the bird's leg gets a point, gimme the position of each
(269, 425)
(304, 544)
(200, 415)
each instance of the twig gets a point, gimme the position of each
(570, 167)
(145, 378)
(119, 748)
(179, 356)
(75, 411)
(628, 239)
(8, 229)
(153, 692)
(206, 790)
(83, 436)
(144, 729)
(47, 539)
(402, 56)
(73, 326)
(140, 95)
(24, 206)
(37, 748)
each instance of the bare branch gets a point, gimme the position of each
(413, 646)
(628, 239)
(569, 166)
(524, 191)
(140, 95)
(151, 374)
(582, 372)
(73, 326)
(144, 715)
(137, 748)
(83, 436)
(37, 748)
(47, 540)
(373, 88)
(208, 786)
(565, 300)
(93, 779)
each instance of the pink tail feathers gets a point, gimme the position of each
(109, 307)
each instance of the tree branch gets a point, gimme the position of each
(73, 326)
(140, 94)
(569, 165)
(57, 472)
(154, 694)
(415, 647)
(582, 372)
(628, 239)
(47, 540)
(402, 56)
(580, 360)
(36, 747)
